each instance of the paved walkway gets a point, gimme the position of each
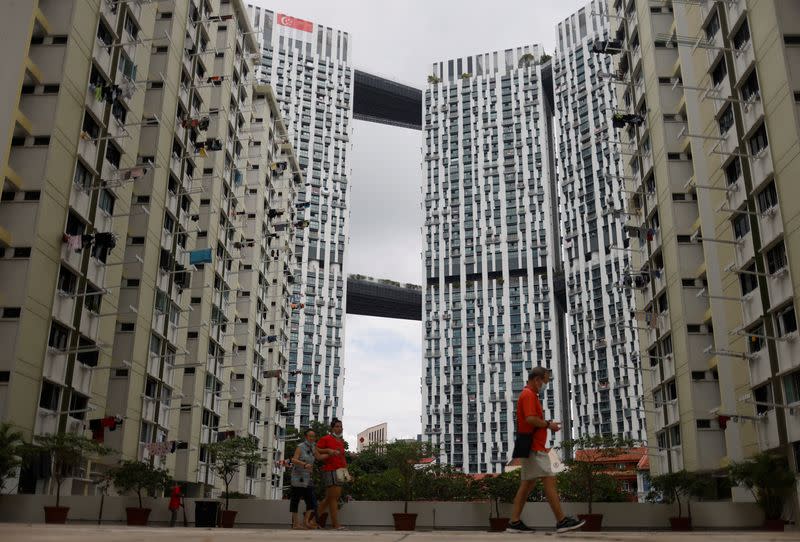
(87, 533)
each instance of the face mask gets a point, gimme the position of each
(338, 433)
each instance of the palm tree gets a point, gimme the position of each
(10, 452)
(432, 79)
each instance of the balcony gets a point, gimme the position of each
(752, 308)
(743, 58)
(788, 353)
(770, 225)
(780, 287)
(767, 429)
(759, 366)
(761, 167)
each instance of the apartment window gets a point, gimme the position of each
(776, 258)
(726, 120)
(104, 33)
(48, 399)
(767, 198)
(763, 394)
(742, 36)
(113, 155)
(741, 225)
(105, 202)
(67, 281)
(719, 72)
(756, 341)
(712, 27)
(703, 424)
(791, 383)
(759, 141)
(90, 126)
(78, 405)
(5, 376)
(127, 327)
(786, 321)
(750, 87)
(11, 312)
(747, 280)
(59, 335)
(119, 112)
(22, 252)
(733, 171)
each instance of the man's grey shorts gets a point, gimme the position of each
(537, 465)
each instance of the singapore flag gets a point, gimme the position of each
(291, 22)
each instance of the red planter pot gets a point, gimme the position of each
(498, 525)
(227, 519)
(774, 524)
(680, 524)
(405, 522)
(137, 516)
(56, 514)
(594, 522)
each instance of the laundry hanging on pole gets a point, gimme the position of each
(200, 256)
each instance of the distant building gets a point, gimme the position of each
(372, 435)
(630, 469)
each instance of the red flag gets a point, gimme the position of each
(291, 22)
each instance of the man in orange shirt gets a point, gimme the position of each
(530, 419)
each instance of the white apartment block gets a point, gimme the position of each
(130, 158)
(377, 434)
(309, 66)
(488, 235)
(602, 342)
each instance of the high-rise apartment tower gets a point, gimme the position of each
(602, 344)
(711, 92)
(489, 251)
(309, 66)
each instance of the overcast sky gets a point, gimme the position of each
(400, 40)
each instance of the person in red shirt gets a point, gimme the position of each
(332, 445)
(174, 504)
(530, 420)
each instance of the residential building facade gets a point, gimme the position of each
(377, 434)
(309, 65)
(602, 341)
(488, 263)
(143, 267)
(714, 86)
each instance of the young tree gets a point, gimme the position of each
(404, 456)
(590, 463)
(66, 451)
(11, 450)
(500, 488)
(139, 477)
(229, 455)
(768, 477)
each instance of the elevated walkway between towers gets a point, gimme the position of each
(381, 100)
(385, 298)
(390, 299)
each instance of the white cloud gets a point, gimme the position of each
(382, 370)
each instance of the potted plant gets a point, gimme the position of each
(500, 488)
(11, 451)
(404, 456)
(139, 477)
(590, 464)
(670, 487)
(66, 452)
(227, 457)
(770, 480)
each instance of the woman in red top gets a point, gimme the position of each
(332, 445)
(174, 504)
